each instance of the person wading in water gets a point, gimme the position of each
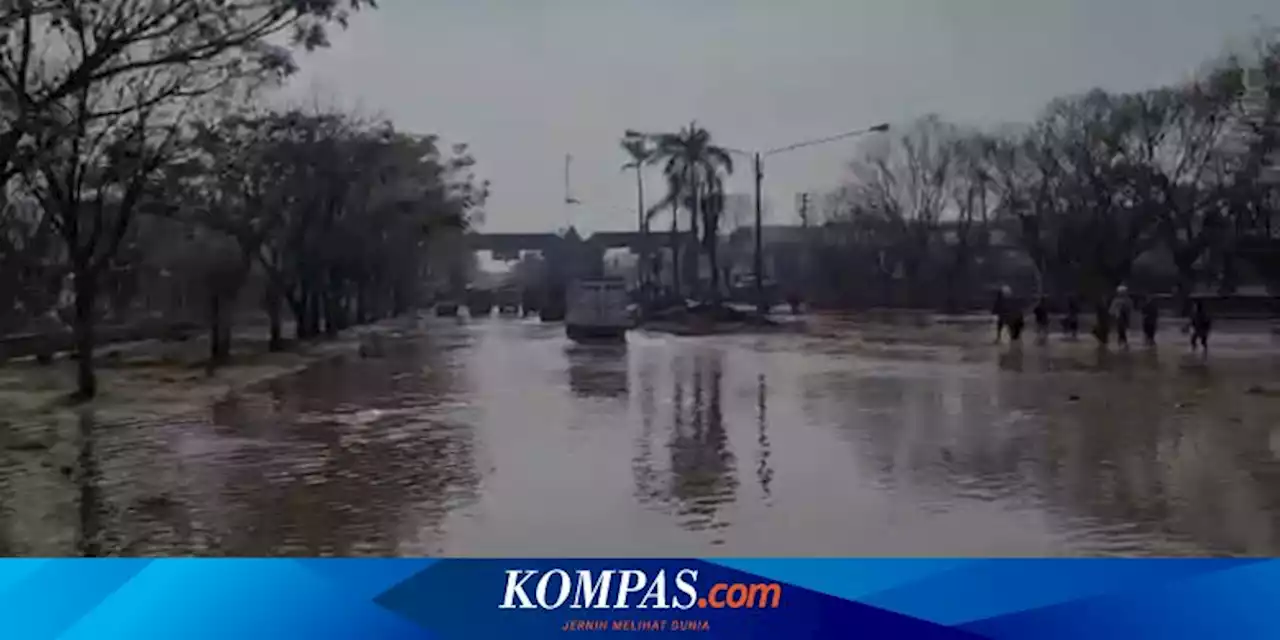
(1201, 324)
(1013, 319)
(1150, 319)
(1041, 314)
(999, 308)
(1071, 321)
(1102, 323)
(1121, 312)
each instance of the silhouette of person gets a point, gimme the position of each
(1121, 312)
(1071, 321)
(1102, 323)
(1013, 319)
(1041, 314)
(1150, 319)
(999, 309)
(1201, 325)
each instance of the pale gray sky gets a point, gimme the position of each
(526, 81)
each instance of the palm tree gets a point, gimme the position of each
(693, 166)
(674, 202)
(711, 204)
(640, 152)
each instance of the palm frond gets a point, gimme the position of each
(657, 209)
(638, 149)
(721, 157)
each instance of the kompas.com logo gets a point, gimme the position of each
(630, 588)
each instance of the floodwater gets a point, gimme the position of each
(500, 437)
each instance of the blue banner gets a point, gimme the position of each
(710, 598)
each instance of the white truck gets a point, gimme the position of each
(598, 310)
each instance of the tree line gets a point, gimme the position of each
(133, 144)
(1175, 186)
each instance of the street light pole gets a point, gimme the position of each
(758, 258)
(762, 304)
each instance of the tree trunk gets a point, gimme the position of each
(643, 226)
(315, 312)
(713, 257)
(693, 264)
(226, 324)
(332, 301)
(215, 330)
(676, 247)
(362, 303)
(272, 304)
(300, 307)
(307, 307)
(219, 330)
(85, 294)
(397, 302)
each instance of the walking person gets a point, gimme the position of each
(1041, 314)
(1150, 319)
(1121, 312)
(1102, 323)
(1071, 321)
(1201, 324)
(1013, 319)
(998, 309)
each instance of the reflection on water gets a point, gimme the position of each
(348, 458)
(499, 437)
(598, 371)
(763, 471)
(703, 474)
(89, 531)
(1121, 455)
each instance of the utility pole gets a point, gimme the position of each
(803, 207)
(761, 305)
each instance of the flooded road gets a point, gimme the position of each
(499, 437)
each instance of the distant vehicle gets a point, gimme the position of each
(480, 302)
(529, 303)
(509, 301)
(597, 310)
(447, 309)
(552, 308)
(552, 312)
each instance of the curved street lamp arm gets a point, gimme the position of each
(809, 143)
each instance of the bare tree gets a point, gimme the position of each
(1176, 149)
(94, 95)
(904, 182)
(92, 173)
(57, 49)
(970, 211)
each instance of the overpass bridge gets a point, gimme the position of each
(569, 255)
(508, 246)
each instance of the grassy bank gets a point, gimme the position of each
(152, 379)
(41, 431)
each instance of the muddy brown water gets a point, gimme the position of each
(499, 437)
